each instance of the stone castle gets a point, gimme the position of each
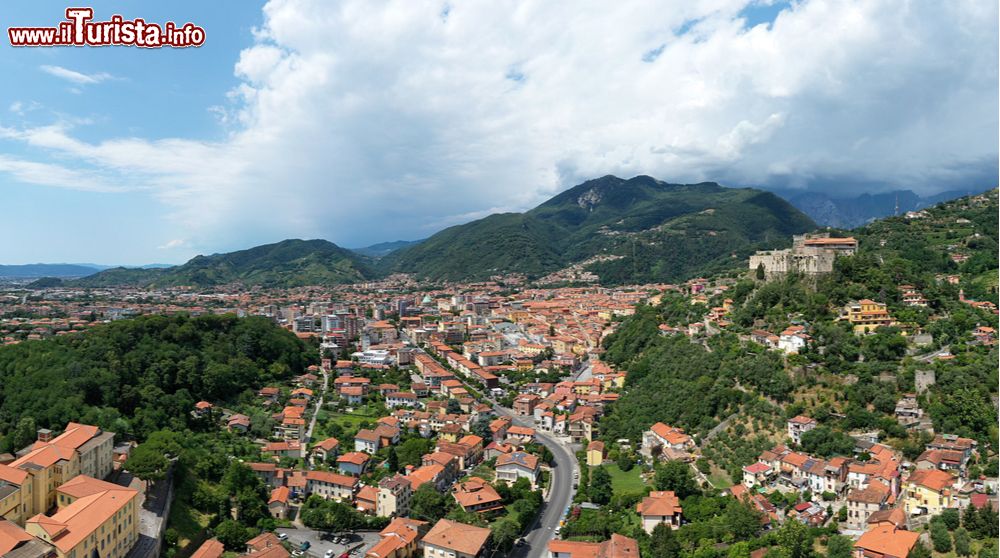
(810, 255)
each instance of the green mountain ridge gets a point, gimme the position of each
(289, 263)
(648, 230)
(635, 230)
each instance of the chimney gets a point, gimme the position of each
(44, 435)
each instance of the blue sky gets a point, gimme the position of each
(363, 122)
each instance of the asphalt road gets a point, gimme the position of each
(560, 495)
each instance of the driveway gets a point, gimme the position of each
(318, 546)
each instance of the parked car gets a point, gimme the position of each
(328, 554)
(304, 546)
(282, 536)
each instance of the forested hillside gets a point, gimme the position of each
(848, 382)
(140, 375)
(640, 230)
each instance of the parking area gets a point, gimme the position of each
(356, 546)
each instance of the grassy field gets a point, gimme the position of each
(190, 525)
(626, 482)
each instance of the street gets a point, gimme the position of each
(560, 495)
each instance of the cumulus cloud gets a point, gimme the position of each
(364, 122)
(74, 76)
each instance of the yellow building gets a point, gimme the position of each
(595, 453)
(16, 491)
(928, 492)
(95, 518)
(80, 450)
(868, 315)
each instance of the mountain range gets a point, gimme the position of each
(623, 230)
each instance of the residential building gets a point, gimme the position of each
(797, 426)
(400, 539)
(394, 495)
(928, 491)
(618, 546)
(867, 316)
(451, 539)
(516, 465)
(477, 496)
(331, 485)
(885, 541)
(661, 506)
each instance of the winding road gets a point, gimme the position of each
(560, 493)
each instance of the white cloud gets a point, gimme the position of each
(381, 121)
(173, 244)
(74, 76)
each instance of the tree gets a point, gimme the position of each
(951, 518)
(625, 461)
(600, 486)
(412, 450)
(962, 543)
(481, 428)
(663, 543)
(940, 537)
(825, 441)
(741, 520)
(233, 535)
(795, 539)
(428, 504)
(147, 463)
(919, 550)
(505, 532)
(839, 546)
(759, 274)
(239, 477)
(392, 460)
(676, 476)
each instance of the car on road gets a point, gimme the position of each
(282, 536)
(304, 546)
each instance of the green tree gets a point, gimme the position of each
(940, 537)
(233, 535)
(951, 518)
(600, 486)
(962, 542)
(428, 504)
(663, 543)
(794, 538)
(625, 461)
(392, 461)
(505, 532)
(919, 550)
(839, 546)
(676, 476)
(147, 463)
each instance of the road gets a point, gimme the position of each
(560, 495)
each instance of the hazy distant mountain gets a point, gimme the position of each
(641, 230)
(855, 211)
(288, 263)
(385, 248)
(28, 271)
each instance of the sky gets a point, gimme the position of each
(362, 121)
